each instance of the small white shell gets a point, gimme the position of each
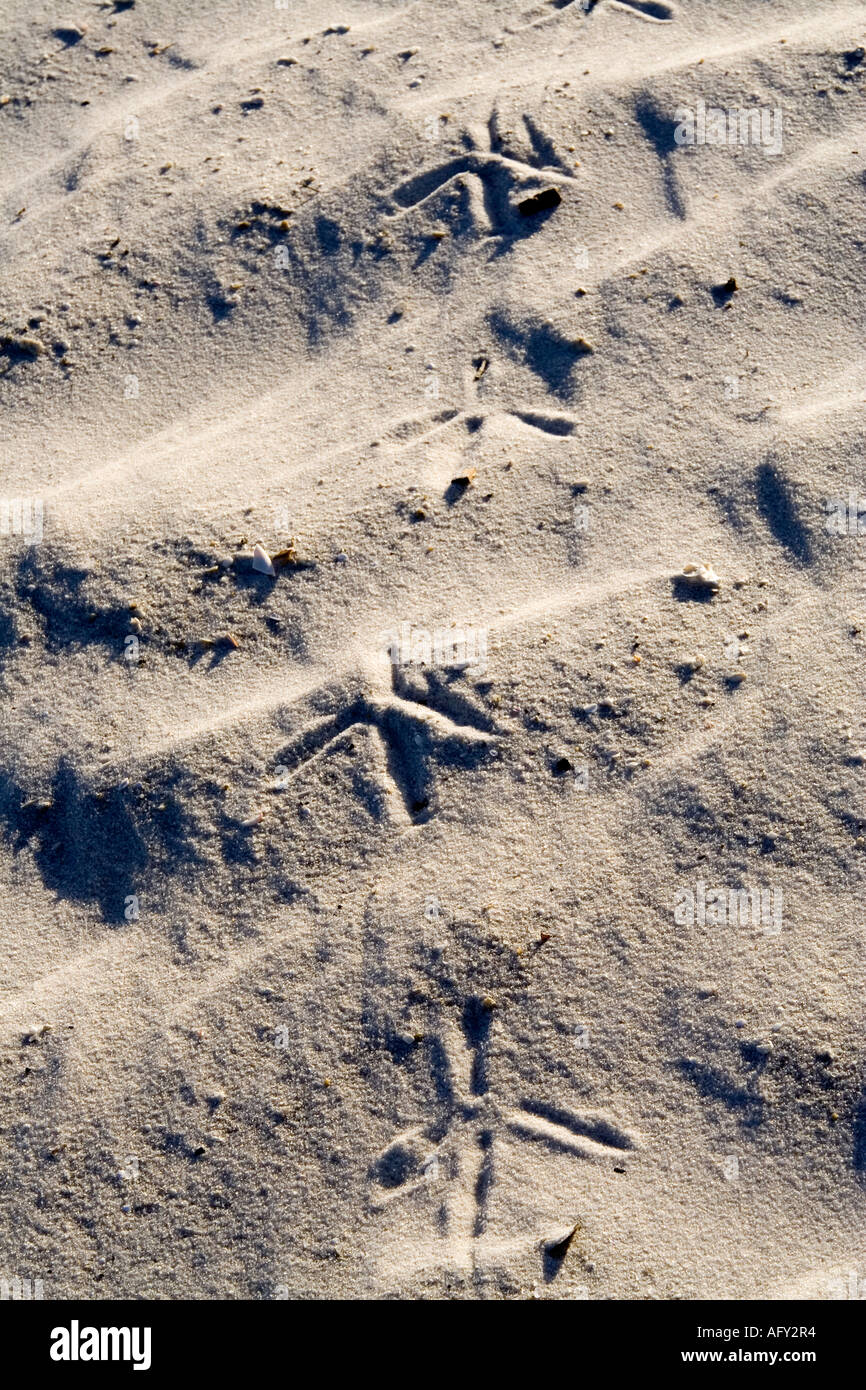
(262, 561)
(702, 576)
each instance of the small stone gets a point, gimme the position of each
(465, 479)
(543, 201)
(70, 33)
(723, 294)
(558, 1244)
(24, 346)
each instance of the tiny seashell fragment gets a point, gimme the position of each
(700, 576)
(287, 556)
(262, 562)
(250, 821)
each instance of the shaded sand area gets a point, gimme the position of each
(469, 908)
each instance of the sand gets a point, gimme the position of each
(468, 908)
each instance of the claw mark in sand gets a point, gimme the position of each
(414, 737)
(660, 133)
(656, 10)
(491, 176)
(459, 1151)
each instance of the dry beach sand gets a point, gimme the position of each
(324, 974)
